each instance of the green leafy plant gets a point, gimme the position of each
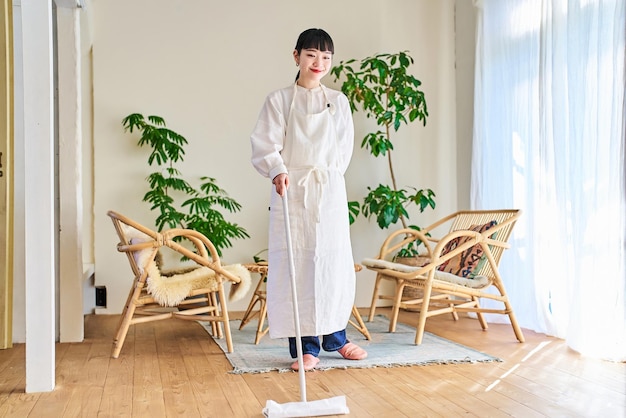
(382, 87)
(201, 208)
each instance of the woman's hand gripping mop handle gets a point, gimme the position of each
(331, 406)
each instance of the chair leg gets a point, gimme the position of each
(479, 315)
(212, 302)
(516, 328)
(225, 318)
(125, 319)
(454, 313)
(421, 321)
(215, 325)
(120, 335)
(370, 317)
(260, 332)
(256, 297)
(395, 309)
(249, 314)
(359, 325)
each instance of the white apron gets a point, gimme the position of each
(324, 266)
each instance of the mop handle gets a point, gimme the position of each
(294, 296)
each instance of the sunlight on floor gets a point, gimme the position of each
(540, 347)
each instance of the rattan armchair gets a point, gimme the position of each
(195, 292)
(470, 243)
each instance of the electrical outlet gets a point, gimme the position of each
(101, 296)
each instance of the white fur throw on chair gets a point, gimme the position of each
(171, 288)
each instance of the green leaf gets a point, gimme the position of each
(353, 211)
(386, 204)
(156, 120)
(200, 209)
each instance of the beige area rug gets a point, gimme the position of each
(384, 350)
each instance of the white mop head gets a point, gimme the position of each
(330, 406)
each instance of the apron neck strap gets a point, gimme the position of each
(295, 91)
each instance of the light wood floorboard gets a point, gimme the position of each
(173, 368)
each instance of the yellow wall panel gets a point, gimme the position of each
(6, 177)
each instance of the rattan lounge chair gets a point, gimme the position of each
(194, 292)
(461, 268)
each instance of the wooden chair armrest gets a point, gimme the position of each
(393, 242)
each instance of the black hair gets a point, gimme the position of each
(314, 38)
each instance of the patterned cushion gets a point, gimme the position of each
(468, 262)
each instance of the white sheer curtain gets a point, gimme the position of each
(549, 139)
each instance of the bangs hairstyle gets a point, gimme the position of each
(315, 38)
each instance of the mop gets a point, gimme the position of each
(331, 406)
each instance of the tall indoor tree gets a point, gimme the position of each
(201, 208)
(382, 87)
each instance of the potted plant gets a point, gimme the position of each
(382, 87)
(201, 207)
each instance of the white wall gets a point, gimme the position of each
(19, 285)
(206, 66)
(86, 42)
(465, 50)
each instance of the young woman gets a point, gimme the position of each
(303, 141)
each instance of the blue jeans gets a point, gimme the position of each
(311, 345)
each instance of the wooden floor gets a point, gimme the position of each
(172, 369)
